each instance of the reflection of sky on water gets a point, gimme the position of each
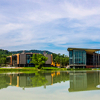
(57, 91)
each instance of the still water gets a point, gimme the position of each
(68, 85)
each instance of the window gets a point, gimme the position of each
(70, 57)
(79, 57)
(28, 59)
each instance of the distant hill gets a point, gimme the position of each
(4, 52)
(33, 51)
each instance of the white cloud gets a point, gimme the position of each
(6, 28)
(61, 23)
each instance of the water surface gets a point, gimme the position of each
(67, 85)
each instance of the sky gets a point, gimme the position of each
(52, 25)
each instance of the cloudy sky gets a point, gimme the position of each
(52, 25)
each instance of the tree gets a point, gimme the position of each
(38, 60)
(54, 56)
(66, 60)
(57, 59)
(2, 59)
(63, 59)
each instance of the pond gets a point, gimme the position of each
(66, 85)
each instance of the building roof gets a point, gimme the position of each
(89, 51)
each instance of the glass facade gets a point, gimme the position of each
(89, 59)
(77, 57)
(96, 58)
(28, 58)
(70, 57)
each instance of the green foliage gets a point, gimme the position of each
(54, 56)
(3, 55)
(2, 59)
(38, 80)
(57, 59)
(4, 52)
(38, 60)
(3, 83)
(62, 77)
(63, 60)
(2, 65)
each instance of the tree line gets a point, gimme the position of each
(3, 60)
(63, 59)
(39, 60)
(3, 56)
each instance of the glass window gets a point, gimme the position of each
(79, 57)
(70, 53)
(28, 59)
(70, 57)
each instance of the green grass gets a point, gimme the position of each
(49, 68)
(52, 68)
(18, 69)
(79, 69)
(33, 69)
(96, 69)
(30, 69)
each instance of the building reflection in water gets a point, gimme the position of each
(82, 81)
(33, 80)
(78, 81)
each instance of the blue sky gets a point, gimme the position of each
(52, 25)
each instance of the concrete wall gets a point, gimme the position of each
(49, 58)
(22, 58)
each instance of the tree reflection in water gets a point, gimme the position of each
(3, 83)
(38, 80)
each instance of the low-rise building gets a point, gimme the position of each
(84, 58)
(24, 60)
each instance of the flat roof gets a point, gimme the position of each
(81, 49)
(89, 51)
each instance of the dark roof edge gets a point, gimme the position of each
(82, 49)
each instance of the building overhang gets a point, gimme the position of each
(88, 51)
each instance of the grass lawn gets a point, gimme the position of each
(33, 69)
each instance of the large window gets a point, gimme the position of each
(77, 57)
(70, 57)
(28, 58)
(70, 54)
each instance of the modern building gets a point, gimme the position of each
(81, 57)
(24, 60)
